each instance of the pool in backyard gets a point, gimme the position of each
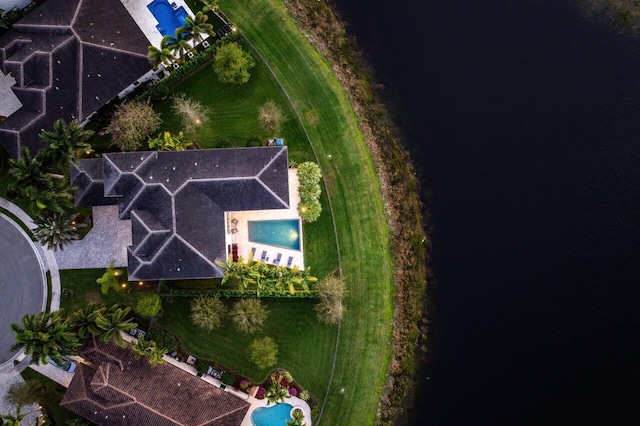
(168, 18)
(276, 415)
(279, 233)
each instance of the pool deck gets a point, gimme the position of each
(145, 19)
(241, 236)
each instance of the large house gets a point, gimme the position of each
(66, 59)
(178, 202)
(113, 388)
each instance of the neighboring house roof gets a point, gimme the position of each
(69, 58)
(176, 202)
(117, 389)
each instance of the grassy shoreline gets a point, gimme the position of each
(385, 178)
(352, 185)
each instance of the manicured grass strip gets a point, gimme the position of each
(291, 323)
(233, 109)
(85, 290)
(363, 352)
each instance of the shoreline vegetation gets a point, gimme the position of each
(400, 192)
(623, 15)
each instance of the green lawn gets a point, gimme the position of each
(363, 234)
(306, 347)
(291, 323)
(82, 283)
(233, 110)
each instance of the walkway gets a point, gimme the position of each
(106, 241)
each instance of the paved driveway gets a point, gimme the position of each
(22, 281)
(107, 241)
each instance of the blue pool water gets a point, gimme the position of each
(279, 233)
(168, 18)
(276, 415)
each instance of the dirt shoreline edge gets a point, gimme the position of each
(400, 191)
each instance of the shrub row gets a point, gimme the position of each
(309, 176)
(299, 294)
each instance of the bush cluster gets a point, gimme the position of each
(163, 338)
(309, 176)
(227, 292)
(162, 88)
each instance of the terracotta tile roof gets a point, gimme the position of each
(121, 390)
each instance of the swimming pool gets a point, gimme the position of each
(276, 415)
(279, 233)
(168, 18)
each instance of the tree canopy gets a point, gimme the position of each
(232, 64)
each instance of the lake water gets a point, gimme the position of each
(523, 117)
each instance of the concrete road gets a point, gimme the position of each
(22, 281)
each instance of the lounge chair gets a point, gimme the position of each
(234, 221)
(289, 262)
(234, 230)
(264, 255)
(276, 261)
(253, 253)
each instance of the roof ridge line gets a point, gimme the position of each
(114, 49)
(135, 197)
(272, 193)
(275, 157)
(192, 248)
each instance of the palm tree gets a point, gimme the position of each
(149, 348)
(4, 20)
(112, 322)
(179, 44)
(55, 198)
(27, 172)
(197, 26)
(297, 418)
(156, 355)
(45, 335)
(277, 392)
(57, 230)
(64, 141)
(83, 321)
(162, 55)
(210, 5)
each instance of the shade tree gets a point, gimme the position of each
(232, 64)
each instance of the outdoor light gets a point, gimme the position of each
(140, 282)
(116, 273)
(124, 285)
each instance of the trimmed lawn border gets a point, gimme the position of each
(363, 353)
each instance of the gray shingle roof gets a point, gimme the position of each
(69, 57)
(176, 202)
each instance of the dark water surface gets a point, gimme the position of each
(523, 117)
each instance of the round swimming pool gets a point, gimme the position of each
(275, 415)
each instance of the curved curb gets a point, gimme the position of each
(45, 255)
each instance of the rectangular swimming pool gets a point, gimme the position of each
(279, 233)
